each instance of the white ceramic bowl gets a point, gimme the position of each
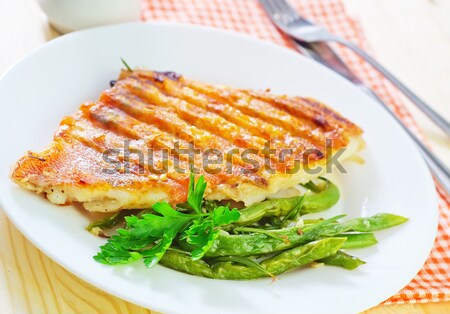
(70, 15)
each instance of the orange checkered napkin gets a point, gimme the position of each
(432, 283)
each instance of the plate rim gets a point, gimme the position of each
(270, 45)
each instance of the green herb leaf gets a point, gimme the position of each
(202, 232)
(113, 253)
(148, 236)
(153, 255)
(126, 65)
(151, 225)
(195, 193)
(152, 232)
(294, 212)
(222, 215)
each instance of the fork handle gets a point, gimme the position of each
(437, 168)
(433, 115)
(324, 54)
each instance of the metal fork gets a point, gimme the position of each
(321, 52)
(299, 28)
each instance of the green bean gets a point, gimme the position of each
(183, 262)
(247, 261)
(316, 202)
(287, 260)
(311, 221)
(271, 208)
(294, 213)
(375, 223)
(364, 224)
(343, 260)
(209, 205)
(302, 255)
(281, 239)
(312, 202)
(313, 187)
(108, 222)
(358, 240)
(116, 218)
(254, 243)
(266, 241)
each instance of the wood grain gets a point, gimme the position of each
(31, 283)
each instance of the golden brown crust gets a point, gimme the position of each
(153, 110)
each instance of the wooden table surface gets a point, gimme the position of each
(410, 37)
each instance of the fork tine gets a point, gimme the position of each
(277, 12)
(269, 7)
(280, 11)
(272, 10)
(287, 10)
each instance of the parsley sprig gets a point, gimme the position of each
(203, 231)
(126, 65)
(195, 193)
(149, 236)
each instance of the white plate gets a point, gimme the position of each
(55, 79)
